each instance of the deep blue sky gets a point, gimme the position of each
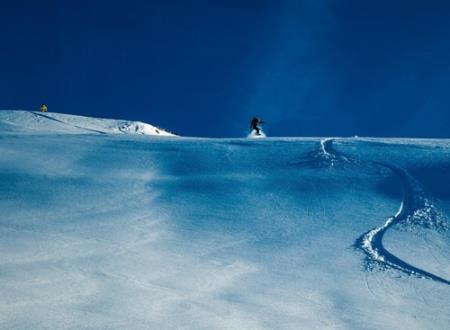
(204, 68)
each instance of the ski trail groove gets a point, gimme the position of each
(371, 242)
(68, 124)
(324, 145)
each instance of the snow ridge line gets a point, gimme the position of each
(371, 242)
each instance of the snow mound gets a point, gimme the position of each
(14, 121)
(142, 128)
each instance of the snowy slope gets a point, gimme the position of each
(107, 231)
(48, 122)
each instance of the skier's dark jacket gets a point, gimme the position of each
(254, 123)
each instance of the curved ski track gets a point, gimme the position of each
(413, 204)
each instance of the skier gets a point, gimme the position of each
(43, 108)
(254, 125)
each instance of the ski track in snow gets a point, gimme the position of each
(413, 204)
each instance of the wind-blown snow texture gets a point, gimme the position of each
(105, 230)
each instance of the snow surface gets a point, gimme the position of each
(120, 231)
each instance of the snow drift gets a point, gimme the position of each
(49, 122)
(117, 230)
